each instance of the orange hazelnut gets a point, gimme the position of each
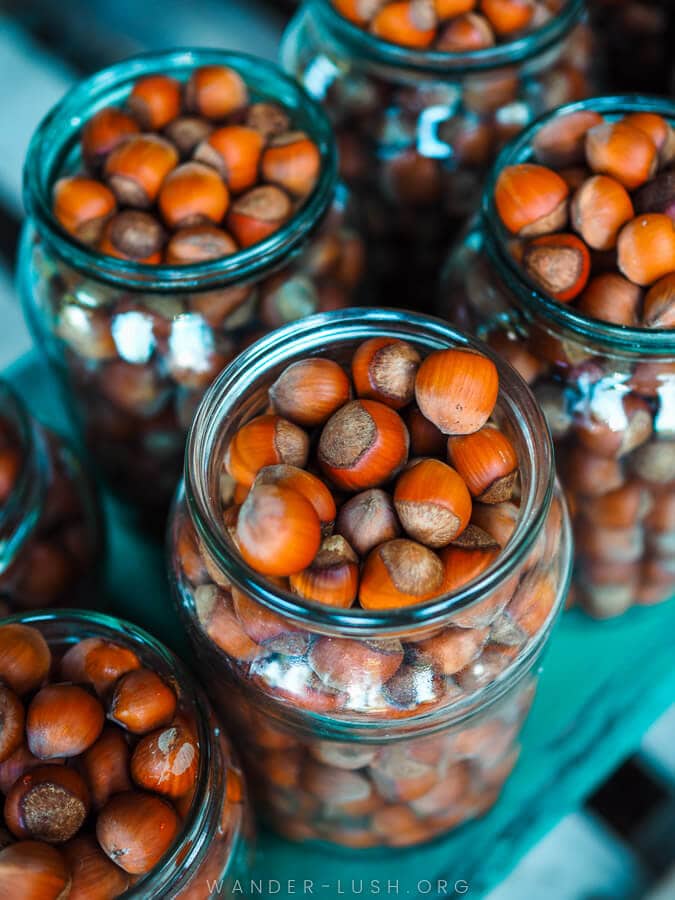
(278, 531)
(83, 206)
(97, 662)
(457, 390)
(235, 152)
(32, 870)
(311, 488)
(215, 92)
(94, 876)
(463, 564)
(257, 214)
(362, 445)
(622, 151)
(265, 441)
(599, 209)
(193, 194)
(270, 119)
(155, 100)
(656, 128)
(432, 502)
(133, 235)
(384, 369)
(25, 658)
(106, 766)
(335, 660)
(368, 519)
(400, 573)
(220, 624)
(454, 648)
(141, 702)
(49, 803)
(333, 576)
(448, 9)
(559, 263)
(658, 310)
(136, 169)
(531, 200)
(360, 12)
(104, 131)
(12, 718)
(646, 248)
(611, 298)
(487, 461)
(62, 720)
(292, 161)
(508, 16)
(135, 830)
(166, 761)
(309, 391)
(425, 438)
(466, 33)
(407, 23)
(261, 624)
(199, 243)
(561, 141)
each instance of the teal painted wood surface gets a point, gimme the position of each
(603, 684)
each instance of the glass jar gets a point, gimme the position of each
(212, 851)
(135, 346)
(417, 130)
(582, 371)
(366, 728)
(51, 530)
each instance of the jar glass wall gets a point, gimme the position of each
(585, 373)
(361, 727)
(418, 129)
(212, 848)
(135, 345)
(51, 529)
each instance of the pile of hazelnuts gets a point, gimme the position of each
(89, 805)
(186, 173)
(365, 486)
(450, 26)
(594, 216)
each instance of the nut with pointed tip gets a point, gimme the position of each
(166, 761)
(215, 91)
(612, 298)
(309, 391)
(133, 235)
(62, 720)
(32, 870)
(292, 161)
(333, 576)
(384, 369)
(269, 119)
(25, 658)
(136, 168)
(559, 263)
(94, 876)
(623, 151)
(531, 200)
(105, 765)
(267, 440)
(599, 209)
(368, 519)
(97, 662)
(400, 573)
(408, 23)
(136, 829)
(457, 390)
(193, 194)
(466, 33)
(658, 310)
(432, 502)
(83, 206)
(487, 461)
(219, 623)
(305, 483)
(187, 132)
(561, 142)
(141, 702)
(196, 244)
(155, 101)
(234, 151)
(257, 214)
(106, 129)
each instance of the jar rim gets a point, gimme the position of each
(49, 143)
(632, 341)
(311, 334)
(439, 62)
(159, 877)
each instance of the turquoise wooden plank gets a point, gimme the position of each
(602, 685)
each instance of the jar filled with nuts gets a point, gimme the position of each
(369, 553)
(118, 781)
(422, 94)
(180, 204)
(570, 274)
(51, 529)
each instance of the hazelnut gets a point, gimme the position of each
(94, 876)
(457, 390)
(25, 658)
(32, 870)
(141, 702)
(432, 502)
(49, 803)
(62, 720)
(106, 766)
(384, 369)
(12, 717)
(368, 519)
(166, 760)
(135, 830)
(97, 662)
(309, 391)
(400, 573)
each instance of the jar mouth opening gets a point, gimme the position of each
(444, 62)
(58, 134)
(631, 340)
(90, 621)
(326, 330)
(14, 410)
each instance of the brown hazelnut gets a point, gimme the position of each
(62, 720)
(141, 702)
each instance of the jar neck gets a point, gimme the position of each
(360, 46)
(54, 151)
(240, 393)
(62, 628)
(562, 319)
(21, 512)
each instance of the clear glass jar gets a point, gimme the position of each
(582, 371)
(51, 529)
(214, 847)
(418, 130)
(135, 346)
(366, 728)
